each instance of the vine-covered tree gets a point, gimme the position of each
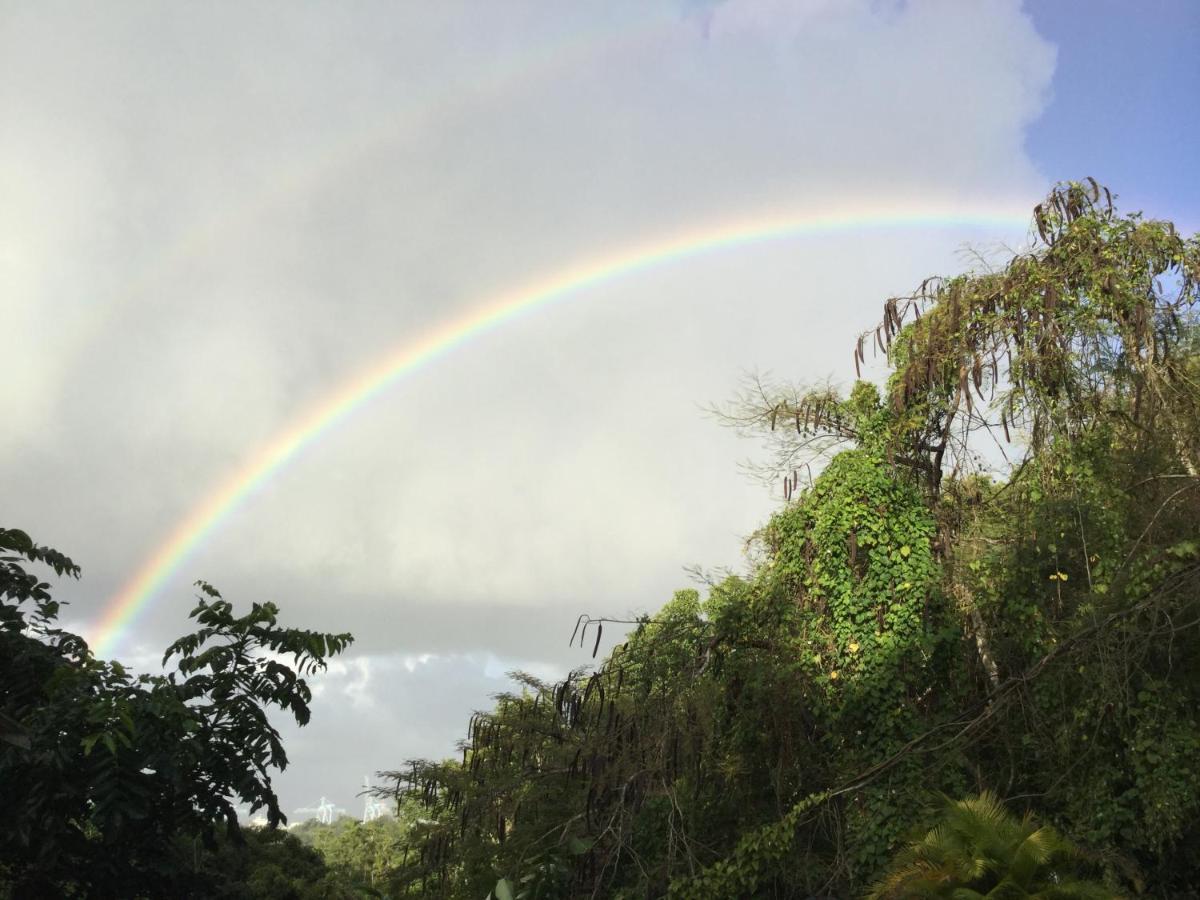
(992, 583)
(103, 773)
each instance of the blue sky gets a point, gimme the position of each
(1125, 100)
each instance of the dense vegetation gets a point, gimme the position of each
(111, 783)
(312, 860)
(962, 663)
(366, 856)
(990, 585)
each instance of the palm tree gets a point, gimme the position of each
(980, 850)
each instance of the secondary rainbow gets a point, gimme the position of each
(200, 522)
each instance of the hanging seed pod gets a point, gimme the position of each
(590, 685)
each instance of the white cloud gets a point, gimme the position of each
(212, 216)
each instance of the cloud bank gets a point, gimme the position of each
(212, 216)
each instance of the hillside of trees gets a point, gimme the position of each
(990, 584)
(962, 661)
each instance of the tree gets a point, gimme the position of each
(265, 864)
(991, 580)
(109, 768)
(369, 855)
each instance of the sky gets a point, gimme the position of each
(218, 220)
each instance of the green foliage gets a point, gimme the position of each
(102, 771)
(979, 849)
(368, 856)
(264, 864)
(741, 872)
(990, 579)
(993, 580)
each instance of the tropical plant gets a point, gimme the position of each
(978, 849)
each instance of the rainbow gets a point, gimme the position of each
(123, 609)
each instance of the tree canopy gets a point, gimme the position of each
(103, 772)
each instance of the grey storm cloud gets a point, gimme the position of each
(211, 216)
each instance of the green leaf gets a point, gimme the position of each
(504, 890)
